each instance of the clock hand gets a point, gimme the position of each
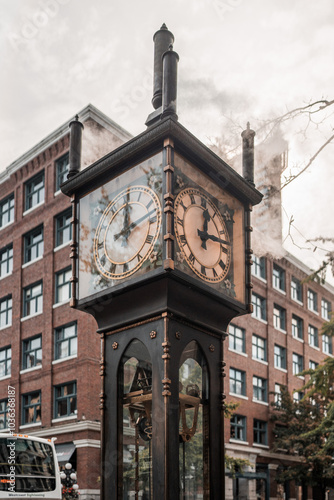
(128, 229)
(126, 219)
(207, 217)
(204, 235)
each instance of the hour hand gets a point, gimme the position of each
(207, 217)
(204, 235)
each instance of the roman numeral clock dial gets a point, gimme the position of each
(127, 232)
(202, 235)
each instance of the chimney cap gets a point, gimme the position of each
(248, 132)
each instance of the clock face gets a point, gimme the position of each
(202, 235)
(127, 232)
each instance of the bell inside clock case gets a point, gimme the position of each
(120, 233)
(209, 231)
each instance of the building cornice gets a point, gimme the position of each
(86, 425)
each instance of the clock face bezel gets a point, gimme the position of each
(141, 233)
(202, 235)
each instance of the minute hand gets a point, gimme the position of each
(206, 236)
(133, 225)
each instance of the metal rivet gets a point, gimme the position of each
(211, 347)
(178, 335)
(115, 346)
(153, 334)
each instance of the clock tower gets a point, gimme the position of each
(161, 258)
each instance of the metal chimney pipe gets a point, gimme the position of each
(169, 82)
(75, 147)
(248, 154)
(162, 40)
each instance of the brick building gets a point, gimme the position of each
(50, 353)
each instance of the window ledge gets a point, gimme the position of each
(28, 370)
(260, 361)
(27, 264)
(263, 280)
(313, 311)
(315, 347)
(5, 276)
(238, 352)
(6, 225)
(297, 338)
(299, 302)
(26, 212)
(59, 304)
(26, 426)
(63, 419)
(238, 396)
(264, 446)
(264, 321)
(280, 330)
(6, 326)
(31, 316)
(57, 193)
(238, 441)
(284, 370)
(63, 245)
(264, 403)
(283, 292)
(68, 358)
(5, 377)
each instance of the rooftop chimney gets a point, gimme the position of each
(162, 40)
(248, 154)
(169, 82)
(75, 147)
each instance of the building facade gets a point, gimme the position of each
(50, 353)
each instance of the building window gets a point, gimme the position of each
(297, 327)
(237, 382)
(297, 396)
(259, 389)
(6, 306)
(238, 427)
(31, 408)
(33, 299)
(278, 395)
(3, 414)
(327, 344)
(34, 191)
(279, 318)
(66, 341)
(237, 338)
(313, 365)
(62, 168)
(33, 244)
(297, 363)
(63, 285)
(278, 278)
(7, 211)
(66, 400)
(280, 357)
(296, 290)
(32, 352)
(259, 307)
(260, 432)
(326, 309)
(5, 361)
(313, 337)
(259, 348)
(312, 300)
(63, 228)
(6, 261)
(259, 267)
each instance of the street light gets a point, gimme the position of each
(68, 478)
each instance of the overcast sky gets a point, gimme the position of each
(240, 60)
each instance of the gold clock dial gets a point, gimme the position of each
(202, 235)
(127, 232)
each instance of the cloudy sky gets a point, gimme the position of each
(240, 60)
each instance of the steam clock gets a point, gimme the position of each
(161, 258)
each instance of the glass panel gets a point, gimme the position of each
(135, 381)
(193, 425)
